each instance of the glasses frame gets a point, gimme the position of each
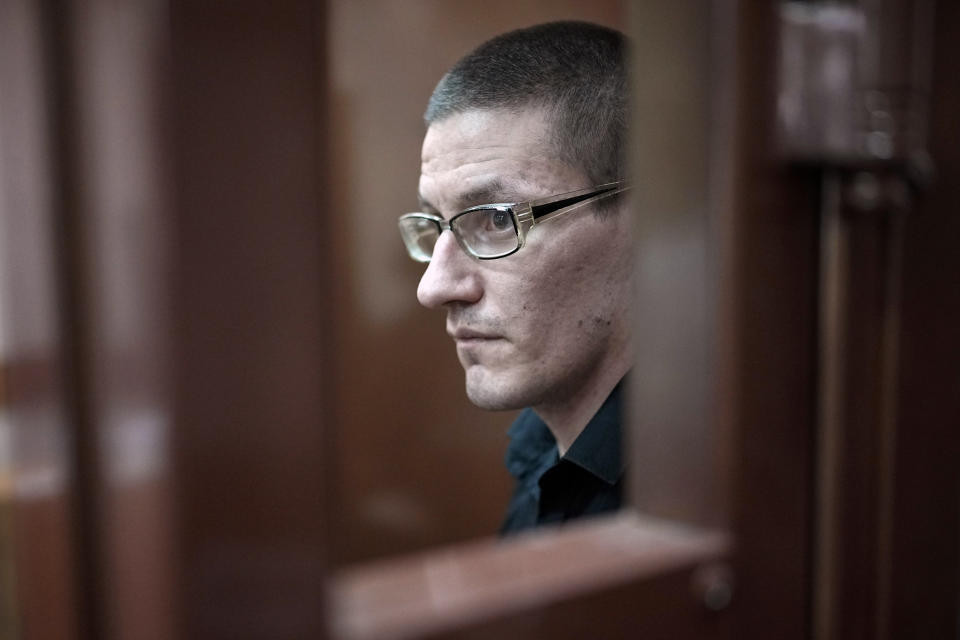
(525, 215)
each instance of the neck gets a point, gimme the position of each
(568, 418)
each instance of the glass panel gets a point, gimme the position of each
(421, 465)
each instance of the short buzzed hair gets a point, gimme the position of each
(575, 70)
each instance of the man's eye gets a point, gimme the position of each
(499, 221)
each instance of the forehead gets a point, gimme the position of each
(469, 152)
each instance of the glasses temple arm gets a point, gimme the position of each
(545, 210)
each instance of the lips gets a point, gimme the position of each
(463, 334)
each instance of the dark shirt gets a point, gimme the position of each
(550, 489)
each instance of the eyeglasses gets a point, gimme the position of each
(492, 231)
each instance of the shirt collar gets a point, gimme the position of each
(533, 449)
(597, 448)
(532, 445)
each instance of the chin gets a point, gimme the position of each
(494, 394)
(492, 402)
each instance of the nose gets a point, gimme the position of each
(451, 276)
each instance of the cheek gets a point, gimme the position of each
(584, 293)
(560, 309)
(571, 292)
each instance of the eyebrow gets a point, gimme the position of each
(489, 193)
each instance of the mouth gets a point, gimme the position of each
(472, 336)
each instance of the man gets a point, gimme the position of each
(536, 287)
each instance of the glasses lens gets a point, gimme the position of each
(488, 232)
(419, 235)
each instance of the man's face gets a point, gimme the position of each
(534, 326)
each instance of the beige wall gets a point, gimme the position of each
(418, 465)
